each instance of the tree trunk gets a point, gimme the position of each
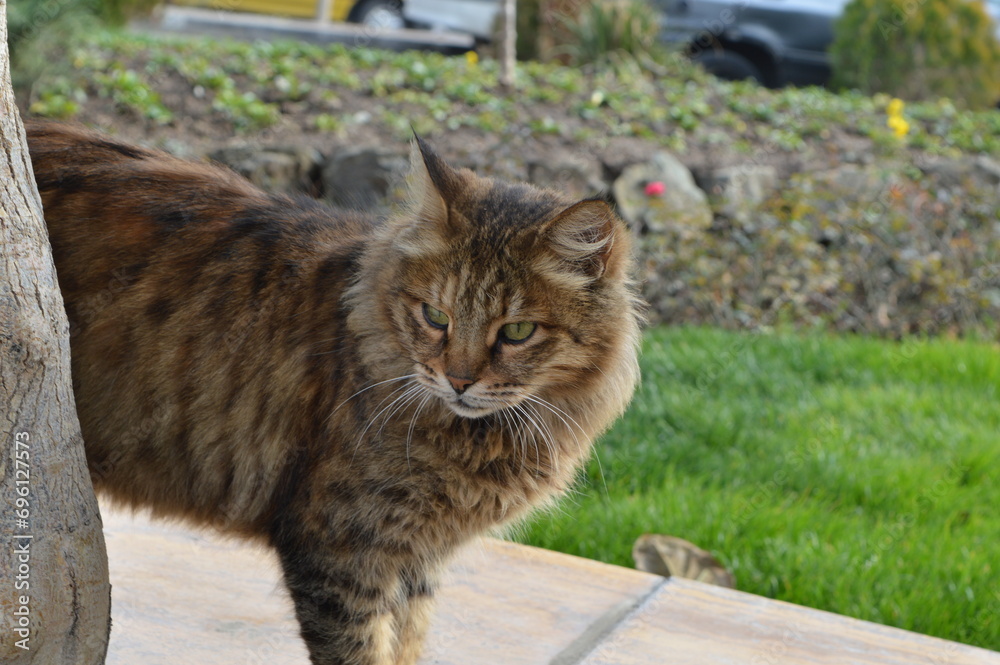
(508, 43)
(54, 593)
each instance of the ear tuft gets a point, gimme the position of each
(589, 236)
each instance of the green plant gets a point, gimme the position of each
(55, 105)
(132, 92)
(326, 122)
(246, 110)
(918, 50)
(606, 28)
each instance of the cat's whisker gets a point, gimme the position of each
(407, 389)
(557, 411)
(523, 436)
(516, 436)
(560, 414)
(522, 413)
(413, 422)
(374, 385)
(543, 427)
(529, 422)
(404, 400)
(550, 437)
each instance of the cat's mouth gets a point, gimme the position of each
(460, 407)
(463, 405)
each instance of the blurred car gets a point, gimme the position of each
(475, 17)
(776, 42)
(339, 9)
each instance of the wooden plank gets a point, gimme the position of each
(519, 605)
(688, 623)
(183, 596)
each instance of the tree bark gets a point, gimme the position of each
(55, 597)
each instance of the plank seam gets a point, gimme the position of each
(604, 625)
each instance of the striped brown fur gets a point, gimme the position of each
(239, 359)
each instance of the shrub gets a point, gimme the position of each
(585, 31)
(606, 27)
(528, 23)
(543, 28)
(918, 49)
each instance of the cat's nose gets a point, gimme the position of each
(460, 383)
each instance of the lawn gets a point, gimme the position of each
(848, 474)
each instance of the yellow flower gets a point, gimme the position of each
(895, 107)
(472, 58)
(898, 125)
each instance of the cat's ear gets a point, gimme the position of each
(432, 185)
(590, 237)
(426, 203)
(442, 177)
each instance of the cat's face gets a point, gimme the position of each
(503, 296)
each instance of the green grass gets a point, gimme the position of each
(848, 474)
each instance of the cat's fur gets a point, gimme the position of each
(237, 360)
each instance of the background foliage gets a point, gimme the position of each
(918, 50)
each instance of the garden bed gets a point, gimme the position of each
(863, 228)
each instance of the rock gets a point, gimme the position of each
(981, 171)
(681, 207)
(282, 169)
(568, 174)
(179, 148)
(840, 194)
(619, 152)
(670, 556)
(736, 191)
(987, 169)
(366, 178)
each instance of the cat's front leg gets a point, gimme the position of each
(414, 617)
(345, 605)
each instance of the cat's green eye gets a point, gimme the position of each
(435, 317)
(515, 333)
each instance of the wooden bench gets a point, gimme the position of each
(190, 597)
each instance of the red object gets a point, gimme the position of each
(655, 188)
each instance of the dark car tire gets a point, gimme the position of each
(377, 13)
(730, 66)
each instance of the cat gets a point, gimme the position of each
(362, 394)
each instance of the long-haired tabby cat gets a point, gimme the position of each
(364, 395)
